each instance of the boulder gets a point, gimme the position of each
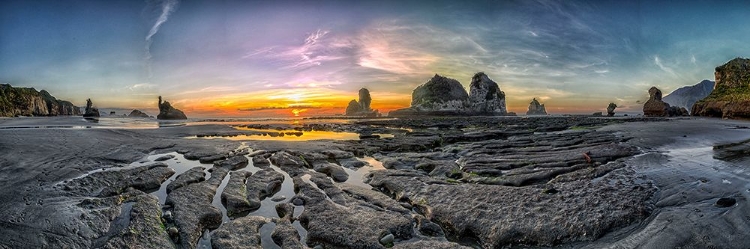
(91, 111)
(166, 111)
(137, 114)
(535, 108)
(485, 95)
(731, 95)
(611, 109)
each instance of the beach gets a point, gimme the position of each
(481, 182)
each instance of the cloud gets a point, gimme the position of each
(661, 66)
(278, 108)
(141, 86)
(319, 47)
(167, 7)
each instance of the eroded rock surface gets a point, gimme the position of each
(234, 196)
(262, 184)
(193, 211)
(114, 181)
(190, 176)
(239, 233)
(501, 215)
(336, 219)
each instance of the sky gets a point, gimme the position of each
(260, 58)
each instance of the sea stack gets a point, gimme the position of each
(364, 99)
(445, 96)
(730, 97)
(485, 95)
(361, 107)
(91, 111)
(535, 108)
(611, 109)
(655, 107)
(439, 94)
(137, 114)
(166, 111)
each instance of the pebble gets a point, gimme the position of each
(387, 240)
(278, 198)
(168, 216)
(298, 201)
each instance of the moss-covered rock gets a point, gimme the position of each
(731, 96)
(24, 101)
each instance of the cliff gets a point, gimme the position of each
(731, 95)
(23, 101)
(688, 95)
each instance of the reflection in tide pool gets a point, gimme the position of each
(292, 135)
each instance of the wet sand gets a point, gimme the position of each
(676, 157)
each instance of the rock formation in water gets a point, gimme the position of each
(361, 107)
(656, 107)
(611, 109)
(485, 95)
(688, 95)
(535, 108)
(137, 114)
(439, 94)
(364, 99)
(445, 96)
(166, 111)
(23, 101)
(91, 111)
(353, 108)
(731, 95)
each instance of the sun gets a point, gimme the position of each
(296, 112)
(297, 97)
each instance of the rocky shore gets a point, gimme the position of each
(443, 182)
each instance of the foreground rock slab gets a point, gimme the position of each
(495, 216)
(349, 222)
(193, 211)
(239, 233)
